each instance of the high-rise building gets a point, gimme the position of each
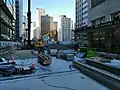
(33, 27)
(19, 17)
(103, 11)
(54, 31)
(104, 26)
(64, 28)
(55, 26)
(24, 30)
(72, 30)
(46, 24)
(7, 30)
(81, 13)
(39, 12)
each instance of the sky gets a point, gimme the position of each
(54, 8)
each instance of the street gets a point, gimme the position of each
(58, 76)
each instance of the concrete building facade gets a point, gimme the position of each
(7, 30)
(19, 18)
(54, 31)
(55, 26)
(103, 11)
(46, 24)
(104, 26)
(39, 12)
(82, 7)
(64, 28)
(24, 30)
(33, 27)
(72, 30)
(36, 35)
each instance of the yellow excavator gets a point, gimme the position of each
(39, 45)
(43, 59)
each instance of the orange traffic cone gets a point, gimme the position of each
(33, 65)
(13, 60)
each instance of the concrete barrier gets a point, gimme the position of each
(106, 79)
(102, 66)
(111, 55)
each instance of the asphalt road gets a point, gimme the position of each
(57, 76)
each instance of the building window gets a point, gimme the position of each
(98, 21)
(93, 22)
(84, 17)
(102, 19)
(95, 3)
(84, 7)
(115, 16)
(84, 2)
(84, 12)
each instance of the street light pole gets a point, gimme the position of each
(29, 22)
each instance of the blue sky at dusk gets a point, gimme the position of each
(53, 8)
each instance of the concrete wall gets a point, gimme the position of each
(104, 9)
(102, 77)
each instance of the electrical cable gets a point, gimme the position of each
(56, 86)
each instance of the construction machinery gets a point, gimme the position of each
(39, 45)
(43, 58)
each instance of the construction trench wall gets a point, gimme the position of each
(108, 80)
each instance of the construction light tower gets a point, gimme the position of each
(29, 22)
